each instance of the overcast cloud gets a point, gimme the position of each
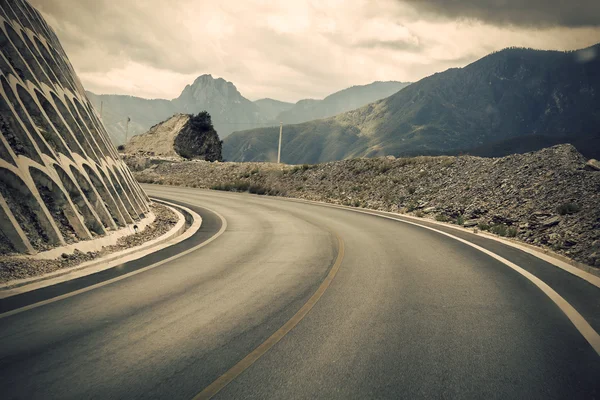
(290, 49)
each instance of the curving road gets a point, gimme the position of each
(410, 313)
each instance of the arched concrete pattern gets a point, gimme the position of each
(104, 171)
(53, 148)
(93, 131)
(111, 199)
(43, 126)
(138, 212)
(23, 118)
(56, 124)
(6, 153)
(26, 53)
(75, 127)
(121, 193)
(97, 126)
(14, 131)
(87, 201)
(24, 14)
(19, 66)
(140, 201)
(29, 210)
(81, 179)
(62, 210)
(48, 61)
(35, 54)
(74, 106)
(60, 125)
(12, 237)
(109, 164)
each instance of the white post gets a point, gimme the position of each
(280, 133)
(127, 129)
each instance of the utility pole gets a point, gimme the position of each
(127, 129)
(101, 111)
(280, 133)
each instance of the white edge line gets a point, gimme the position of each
(111, 260)
(577, 319)
(539, 253)
(108, 282)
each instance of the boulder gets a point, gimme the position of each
(593, 165)
(471, 223)
(551, 221)
(182, 135)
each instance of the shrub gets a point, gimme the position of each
(385, 167)
(237, 186)
(499, 229)
(257, 189)
(419, 214)
(411, 206)
(568, 208)
(412, 190)
(512, 232)
(441, 218)
(460, 220)
(121, 147)
(483, 226)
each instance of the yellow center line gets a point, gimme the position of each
(251, 358)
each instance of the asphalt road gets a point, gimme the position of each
(410, 314)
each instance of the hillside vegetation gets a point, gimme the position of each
(511, 101)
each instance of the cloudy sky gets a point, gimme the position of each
(293, 49)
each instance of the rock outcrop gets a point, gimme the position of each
(182, 135)
(547, 198)
(61, 179)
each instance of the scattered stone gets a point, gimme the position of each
(465, 186)
(552, 221)
(470, 223)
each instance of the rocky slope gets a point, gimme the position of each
(510, 101)
(182, 135)
(547, 198)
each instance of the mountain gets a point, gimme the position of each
(270, 108)
(510, 101)
(230, 111)
(144, 113)
(339, 102)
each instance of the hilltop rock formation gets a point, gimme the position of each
(182, 135)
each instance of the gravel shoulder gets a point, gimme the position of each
(549, 198)
(15, 267)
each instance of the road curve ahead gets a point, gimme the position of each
(405, 313)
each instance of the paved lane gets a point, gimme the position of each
(410, 314)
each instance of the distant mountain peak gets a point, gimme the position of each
(206, 90)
